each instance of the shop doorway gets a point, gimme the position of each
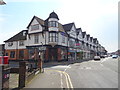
(52, 54)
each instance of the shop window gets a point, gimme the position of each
(12, 54)
(36, 39)
(21, 54)
(35, 27)
(53, 37)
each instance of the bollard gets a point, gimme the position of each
(22, 74)
(4, 76)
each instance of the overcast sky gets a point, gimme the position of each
(99, 18)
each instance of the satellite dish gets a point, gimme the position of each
(2, 2)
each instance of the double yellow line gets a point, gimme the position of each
(68, 80)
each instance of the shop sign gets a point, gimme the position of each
(63, 33)
(72, 50)
(77, 44)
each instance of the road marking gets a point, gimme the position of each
(103, 60)
(71, 86)
(68, 80)
(60, 66)
(85, 68)
(67, 68)
(61, 80)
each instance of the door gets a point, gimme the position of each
(52, 54)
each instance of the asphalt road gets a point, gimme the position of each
(91, 74)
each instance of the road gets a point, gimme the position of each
(86, 74)
(92, 74)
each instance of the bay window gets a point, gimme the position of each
(53, 37)
(53, 24)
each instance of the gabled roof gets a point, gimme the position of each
(91, 39)
(19, 36)
(83, 34)
(67, 27)
(78, 30)
(88, 36)
(40, 21)
(94, 40)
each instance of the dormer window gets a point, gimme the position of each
(35, 27)
(53, 24)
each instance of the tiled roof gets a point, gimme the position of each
(78, 30)
(94, 40)
(91, 39)
(19, 36)
(67, 27)
(53, 15)
(83, 34)
(88, 36)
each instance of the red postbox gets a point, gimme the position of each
(1, 58)
(5, 60)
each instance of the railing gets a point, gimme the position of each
(26, 70)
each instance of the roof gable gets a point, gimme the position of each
(40, 21)
(18, 36)
(67, 27)
(83, 34)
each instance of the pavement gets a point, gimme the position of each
(48, 79)
(13, 81)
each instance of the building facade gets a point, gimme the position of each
(2, 49)
(52, 40)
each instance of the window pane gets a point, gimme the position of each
(21, 54)
(12, 54)
(35, 27)
(36, 38)
(56, 24)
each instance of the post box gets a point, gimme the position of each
(5, 60)
(1, 60)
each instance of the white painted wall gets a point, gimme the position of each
(24, 46)
(16, 45)
(53, 29)
(73, 32)
(80, 36)
(34, 22)
(60, 38)
(32, 38)
(53, 19)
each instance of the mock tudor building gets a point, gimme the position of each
(57, 42)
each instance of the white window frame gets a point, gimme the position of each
(36, 38)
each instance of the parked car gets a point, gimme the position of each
(114, 56)
(102, 56)
(96, 57)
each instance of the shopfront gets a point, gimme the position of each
(79, 54)
(72, 54)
